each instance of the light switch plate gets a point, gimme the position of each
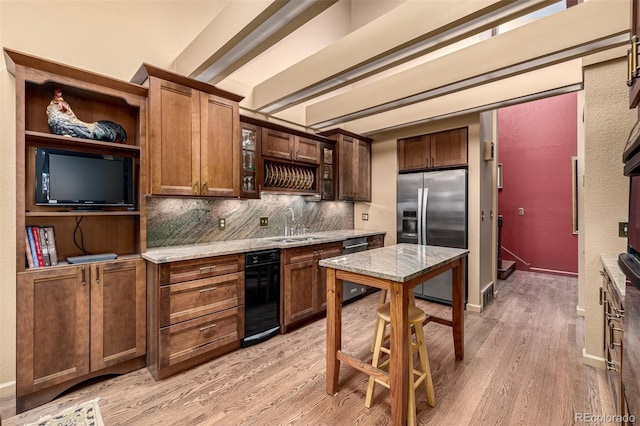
(623, 229)
(222, 223)
(264, 221)
(521, 211)
(365, 216)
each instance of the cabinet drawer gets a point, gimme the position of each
(303, 254)
(192, 299)
(189, 270)
(188, 339)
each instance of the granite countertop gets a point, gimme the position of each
(619, 279)
(218, 248)
(400, 263)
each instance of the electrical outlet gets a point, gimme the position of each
(222, 223)
(623, 229)
(521, 211)
(264, 221)
(365, 216)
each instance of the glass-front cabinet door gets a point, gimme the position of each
(251, 178)
(327, 172)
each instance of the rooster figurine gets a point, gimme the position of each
(63, 121)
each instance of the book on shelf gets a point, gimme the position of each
(32, 247)
(40, 248)
(43, 247)
(27, 251)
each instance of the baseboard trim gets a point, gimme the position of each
(580, 311)
(592, 360)
(7, 389)
(474, 308)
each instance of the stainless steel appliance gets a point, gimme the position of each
(261, 296)
(432, 210)
(352, 290)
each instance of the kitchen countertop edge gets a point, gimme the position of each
(169, 254)
(610, 263)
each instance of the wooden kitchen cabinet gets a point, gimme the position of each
(375, 241)
(613, 306)
(195, 312)
(414, 153)
(251, 176)
(354, 165)
(304, 282)
(632, 56)
(78, 322)
(435, 150)
(194, 141)
(287, 146)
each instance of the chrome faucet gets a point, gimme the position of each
(286, 225)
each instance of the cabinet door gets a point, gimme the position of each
(277, 144)
(299, 284)
(307, 150)
(414, 153)
(52, 327)
(219, 146)
(362, 169)
(321, 287)
(327, 172)
(174, 144)
(449, 148)
(251, 177)
(118, 312)
(347, 148)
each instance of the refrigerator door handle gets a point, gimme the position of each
(423, 216)
(420, 241)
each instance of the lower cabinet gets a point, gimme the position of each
(304, 282)
(612, 303)
(77, 322)
(196, 312)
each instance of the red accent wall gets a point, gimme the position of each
(536, 143)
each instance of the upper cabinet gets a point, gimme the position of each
(194, 139)
(287, 146)
(251, 179)
(354, 165)
(435, 150)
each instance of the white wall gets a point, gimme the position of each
(111, 38)
(607, 122)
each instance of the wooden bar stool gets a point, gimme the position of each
(416, 377)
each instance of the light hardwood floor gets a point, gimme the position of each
(522, 366)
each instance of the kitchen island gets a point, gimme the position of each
(397, 269)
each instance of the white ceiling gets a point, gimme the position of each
(460, 66)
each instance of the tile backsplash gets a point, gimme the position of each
(177, 221)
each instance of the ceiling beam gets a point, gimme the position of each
(397, 37)
(242, 31)
(544, 42)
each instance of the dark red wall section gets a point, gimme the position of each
(536, 143)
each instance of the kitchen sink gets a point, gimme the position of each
(296, 239)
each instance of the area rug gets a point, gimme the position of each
(85, 414)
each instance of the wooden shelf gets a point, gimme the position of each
(33, 138)
(67, 213)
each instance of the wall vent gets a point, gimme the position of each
(487, 296)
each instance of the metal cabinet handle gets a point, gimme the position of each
(207, 269)
(205, 188)
(195, 187)
(83, 276)
(97, 274)
(204, 290)
(611, 365)
(613, 327)
(207, 327)
(634, 56)
(603, 295)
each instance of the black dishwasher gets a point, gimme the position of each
(261, 296)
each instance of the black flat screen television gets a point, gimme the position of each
(83, 180)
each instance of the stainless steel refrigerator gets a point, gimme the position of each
(432, 210)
